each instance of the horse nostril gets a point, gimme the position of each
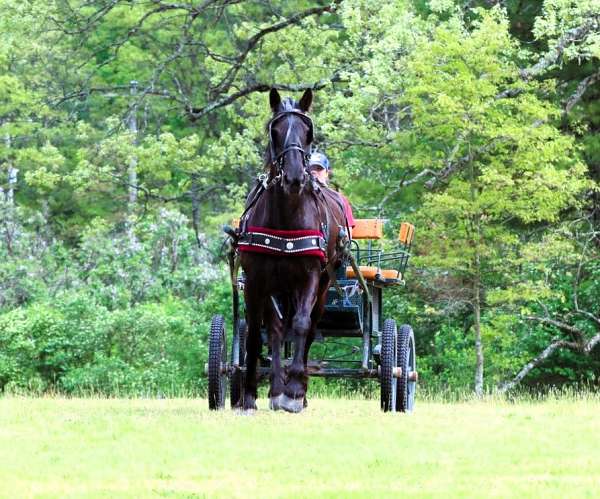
(290, 180)
(293, 183)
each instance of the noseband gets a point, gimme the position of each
(277, 160)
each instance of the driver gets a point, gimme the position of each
(319, 168)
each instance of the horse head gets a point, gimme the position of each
(290, 135)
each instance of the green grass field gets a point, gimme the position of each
(55, 447)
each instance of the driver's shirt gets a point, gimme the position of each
(348, 211)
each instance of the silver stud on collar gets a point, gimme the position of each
(289, 245)
(267, 241)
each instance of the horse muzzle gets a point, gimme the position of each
(293, 186)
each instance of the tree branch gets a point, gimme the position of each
(560, 325)
(227, 80)
(452, 166)
(197, 113)
(554, 55)
(581, 89)
(403, 183)
(581, 345)
(549, 350)
(112, 92)
(347, 144)
(589, 346)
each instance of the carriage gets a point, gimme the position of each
(377, 346)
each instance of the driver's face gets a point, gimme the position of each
(319, 173)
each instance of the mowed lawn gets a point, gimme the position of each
(55, 447)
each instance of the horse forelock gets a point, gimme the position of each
(288, 104)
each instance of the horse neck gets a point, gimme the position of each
(280, 211)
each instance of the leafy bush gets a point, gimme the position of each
(76, 345)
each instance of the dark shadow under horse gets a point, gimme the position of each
(289, 244)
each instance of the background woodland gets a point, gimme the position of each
(130, 132)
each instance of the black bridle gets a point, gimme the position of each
(277, 160)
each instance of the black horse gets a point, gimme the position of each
(289, 244)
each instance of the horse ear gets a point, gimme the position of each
(274, 99)
(306, 101)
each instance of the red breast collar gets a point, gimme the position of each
(304, 242)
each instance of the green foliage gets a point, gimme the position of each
(112, 318)
(474, 122)
(76, 345)
(511, 167)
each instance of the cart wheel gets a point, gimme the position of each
(217, 357)
(388, 362)
(236, 383)
(407, 383)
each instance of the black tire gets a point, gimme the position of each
(388, 362)
(217, 357)
(236, 382)
(405, 387)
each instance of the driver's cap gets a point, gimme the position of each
(318, 158)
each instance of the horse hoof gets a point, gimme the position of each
(291, 405)
(275, 402)
(240, 411)
(249, 405)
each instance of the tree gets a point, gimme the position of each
(558, 294)
(505, 164)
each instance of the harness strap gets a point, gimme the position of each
(260, 188)
(332, 278)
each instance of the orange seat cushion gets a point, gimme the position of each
(373, 273)
(368, 273)
(390, 274)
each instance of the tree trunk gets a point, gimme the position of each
(195, 195)
(478, 343)
(476, 281)
(8, 201)
(132, 169)
(12, 174)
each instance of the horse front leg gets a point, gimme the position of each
(276, 328)
(315, 317)
(254, 312)
(297, 379)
